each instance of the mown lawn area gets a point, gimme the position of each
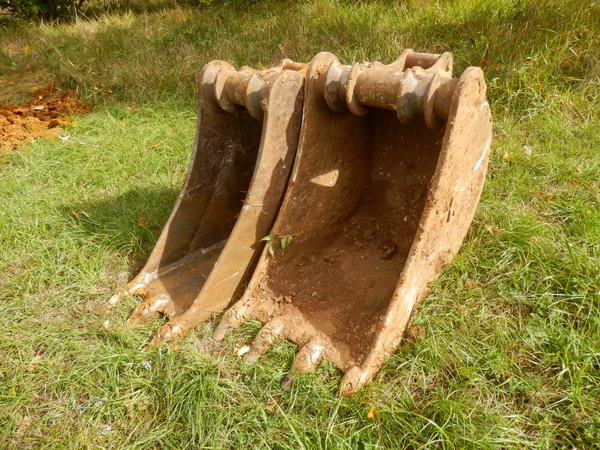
(509, 353)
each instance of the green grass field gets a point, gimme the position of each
(509, 356)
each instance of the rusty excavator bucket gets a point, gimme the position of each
(246, 140)
(358, 184)
(389, 170)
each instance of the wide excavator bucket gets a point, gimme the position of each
(390, 166)
(247, 137)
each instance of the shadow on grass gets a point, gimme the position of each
(129, 223)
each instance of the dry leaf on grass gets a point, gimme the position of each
(371, 413)
(23, 426)
(274, 403)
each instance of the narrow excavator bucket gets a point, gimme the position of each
(246, 140)
(390, 166)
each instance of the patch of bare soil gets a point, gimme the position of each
(43, 116)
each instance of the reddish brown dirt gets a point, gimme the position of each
(42, 116)
(342, 281)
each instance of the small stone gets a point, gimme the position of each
(241, 351)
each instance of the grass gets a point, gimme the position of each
(510, 356)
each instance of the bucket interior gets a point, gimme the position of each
(223, 162)
(341, 275)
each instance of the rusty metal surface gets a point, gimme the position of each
(389, 170)
(366, 179)
(246, 140)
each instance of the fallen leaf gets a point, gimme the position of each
(26, 50)
(371, 413)
(470, 283)
(274, 402)
(550, 198)
(23, 425)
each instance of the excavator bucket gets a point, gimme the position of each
(246, 140)
(388, 173)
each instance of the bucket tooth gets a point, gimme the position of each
(267, 335)
(246, 140)
(390, 166)
(309, 356)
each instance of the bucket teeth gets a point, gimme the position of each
(309, 356)
(271, 332)
(146, 310)
(166, 333)
(365, 179)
